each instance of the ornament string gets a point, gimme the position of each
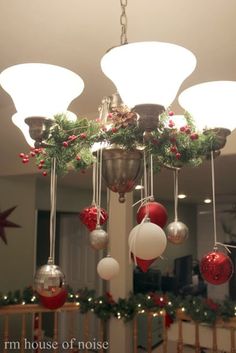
(213, 198)
(53, 188)
(94, 184)
(144, 191)
(226, 246)
(145, 185)
(176, 191)
(99, 185)
(151, 176)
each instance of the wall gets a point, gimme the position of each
(17, 258)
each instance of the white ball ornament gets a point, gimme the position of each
(147, 240)
(108, 268)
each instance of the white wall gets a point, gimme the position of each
(17, 258)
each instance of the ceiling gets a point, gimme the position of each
(75, 34)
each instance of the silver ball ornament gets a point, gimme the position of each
(176, 232)
(98, 238)
(49, 280)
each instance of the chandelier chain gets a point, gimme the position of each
(123, 22)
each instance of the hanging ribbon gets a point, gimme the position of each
(176, 191)
(53, 188)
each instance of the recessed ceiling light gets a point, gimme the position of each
(139, 187)
(182, 196)
(207, 200)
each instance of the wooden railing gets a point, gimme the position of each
(33, 313)
(30, 337)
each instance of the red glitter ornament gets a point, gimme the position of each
(89, 217)
(216, 267)
(156, 212)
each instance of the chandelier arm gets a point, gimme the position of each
(123, 22)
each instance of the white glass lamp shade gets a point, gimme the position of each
(211, 104)
(41, 90)
(19, 121)
(148, 72)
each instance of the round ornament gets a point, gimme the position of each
(108, 268)
(147, 240)
(89, 217)
(176, 232)
(156, 212)
(216, 267)
(54, 302)
(98, 238)
(143, 264)
(49, 283)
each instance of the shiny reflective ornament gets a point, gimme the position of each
(49, 282)
(121, 169)
(155, 211)
(98, 238)
(147, 241)
(216, 267)
(177, 232)
(108, 268)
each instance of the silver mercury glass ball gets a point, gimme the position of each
(176, 232)
(98, 238)
(49, 280)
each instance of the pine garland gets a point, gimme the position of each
(71, 142)
(202, 310)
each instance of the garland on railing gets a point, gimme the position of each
(70, 142)
(199, 309)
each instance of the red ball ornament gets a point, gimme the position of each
(54, 302)
(143, 264)
(156, 212)
(89, 217)
(216, 267)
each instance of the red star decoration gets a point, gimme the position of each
(5, 223)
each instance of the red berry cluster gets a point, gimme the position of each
(183, 129)
(72, 138)
(187, 130)
(33, 152)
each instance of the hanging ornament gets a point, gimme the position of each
(98, 238)
(108, 268)
(147, 240)
(49, 283)
(143, 264)
(216, 267)
(176, 232)
(156, 212)
(89, 217)
(49, 280)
